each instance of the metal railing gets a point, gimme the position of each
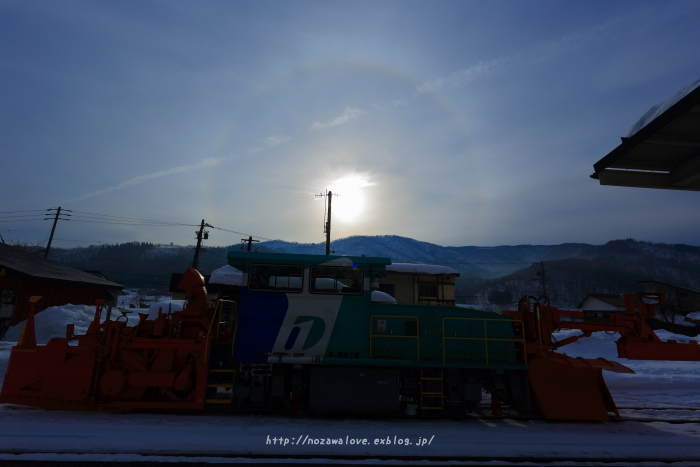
(485, 338)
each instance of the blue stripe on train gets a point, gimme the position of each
(260, 317)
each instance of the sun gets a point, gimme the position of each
(349, 201)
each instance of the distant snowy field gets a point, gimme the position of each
(129, 437)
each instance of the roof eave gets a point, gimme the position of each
(628, 144)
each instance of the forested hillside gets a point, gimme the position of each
(488, 275)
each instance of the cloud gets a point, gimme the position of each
(464, 77)
(271, 142)
(203, 164)
(349, 114)
(536, 54)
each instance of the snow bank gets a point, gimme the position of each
(655, 382)
(227, 275)
(52, 321)
(172, 305)
(662, 107)
(420, 269)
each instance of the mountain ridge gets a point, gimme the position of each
(574, 269)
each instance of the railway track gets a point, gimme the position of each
(689, 409)
(199, 459)
(683, 415)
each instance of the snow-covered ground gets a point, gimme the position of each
(129, 437)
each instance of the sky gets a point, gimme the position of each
(451, 122)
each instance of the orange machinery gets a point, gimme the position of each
(569, 388)
(158, 364)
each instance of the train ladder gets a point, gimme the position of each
(228, 311)
(223, 381)
(431, 390)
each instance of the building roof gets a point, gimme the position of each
(431, 269)
(35, 268)
(661, 151)
(610, 299)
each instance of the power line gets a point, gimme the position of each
(32, 210)
(129, 223)
(23, 215)
(96, 218)
(134, 219)
(241, 233)
(25, 220)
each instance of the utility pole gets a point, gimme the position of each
(201, 235)
(327, 224)
(53, 229)
(543, 278)
(250, 241)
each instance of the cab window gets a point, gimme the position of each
(346, 280)
(275, 278)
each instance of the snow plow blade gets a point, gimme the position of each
(54, 376)
(158, 364)
(145, 374)
(566, 388)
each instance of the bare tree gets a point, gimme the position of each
(25, 245)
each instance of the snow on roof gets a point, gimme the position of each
(433, 269)
(38, 268)
(227, 275)
(662, 107)
(610, 299)
(382, 297)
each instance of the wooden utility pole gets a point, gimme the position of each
(543, 278)
(201, 235)
(249, 241)
(328, 224)
(53, 229)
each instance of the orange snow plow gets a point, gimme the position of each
(568, 388)
(157, 364)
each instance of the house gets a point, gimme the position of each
(601, 305)
(24, 274)
(678, 300)
(423, 284)
(602, 302)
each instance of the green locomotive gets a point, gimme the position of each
(309, 337)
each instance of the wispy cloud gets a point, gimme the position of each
(203, 164)
(465, 77)
(347, 115)
(500, 65)
(270, 142)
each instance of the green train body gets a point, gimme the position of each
(310, 338)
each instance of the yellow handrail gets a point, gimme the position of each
(485, 338)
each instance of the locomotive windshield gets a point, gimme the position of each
(275, 278)
(346, 280)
